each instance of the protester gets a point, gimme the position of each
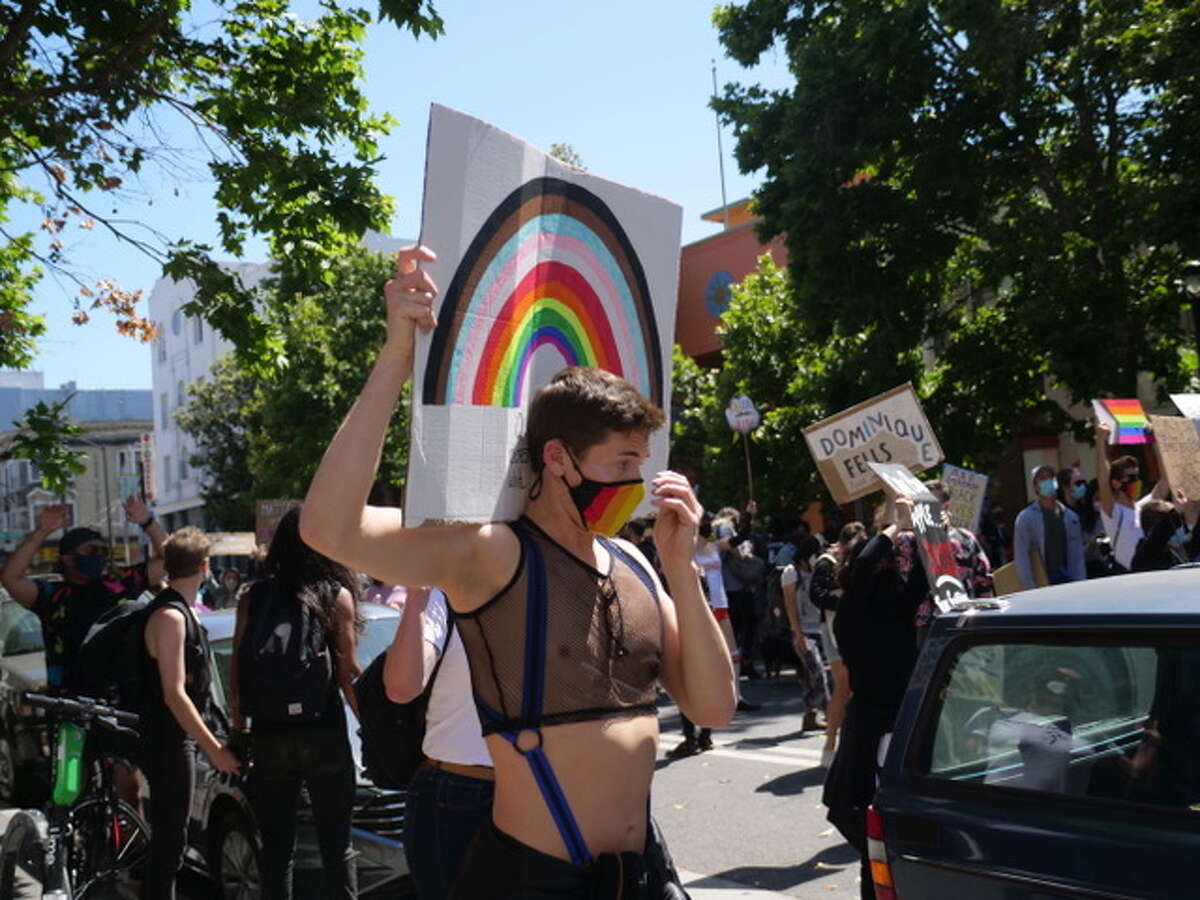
(450, 797)
(89, 586)
(876, 633)
(1077, 494)
(1172, 537)
(825, 591)
(230, 586)
(743, 574)
(178, 683)
(1048, 535)
(804, 617)
(567, 633)
(974, 567)
(1120, 506)
(299, 739)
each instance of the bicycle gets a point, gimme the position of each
(88, 837)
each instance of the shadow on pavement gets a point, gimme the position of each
(793, 783)
(829, 861)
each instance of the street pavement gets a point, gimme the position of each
(744, 820)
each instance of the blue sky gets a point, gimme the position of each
(625, 83)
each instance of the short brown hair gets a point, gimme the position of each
(185, 552)
(1122, 464)
(581, 406)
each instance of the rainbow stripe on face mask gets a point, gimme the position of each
(613, 506)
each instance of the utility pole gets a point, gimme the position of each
(720, 151)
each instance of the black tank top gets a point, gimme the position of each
(602, 641)
(197, 682)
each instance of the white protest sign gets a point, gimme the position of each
(742, 415)
(541, 266)
(967, 492)
(890, 428)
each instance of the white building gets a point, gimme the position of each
(186, 354)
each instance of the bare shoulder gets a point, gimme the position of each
(490, 555)
(639, 557)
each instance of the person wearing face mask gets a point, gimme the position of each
(1049, 532)
(1120, 506)
(89, 587)
(567, 632)
(1172, 537)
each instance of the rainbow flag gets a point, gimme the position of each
(1126, 418)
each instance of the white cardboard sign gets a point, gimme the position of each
(540, 266)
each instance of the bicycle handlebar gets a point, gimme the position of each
(87, 711)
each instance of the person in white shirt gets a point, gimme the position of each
(450, 796)
(1120, 485)
(804, 617)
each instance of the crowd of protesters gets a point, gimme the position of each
(540, 646)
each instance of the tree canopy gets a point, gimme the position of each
(986, 197)
(260, 436)
(89, 94)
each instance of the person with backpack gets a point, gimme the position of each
(89, 587)
(294, 660)
(177, 682)
(568, 632)
(450, 795)
(825, 590)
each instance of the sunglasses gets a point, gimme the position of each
(1130, 478)
(1078, 483)
(91, 550)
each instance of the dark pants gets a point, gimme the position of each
(169, 764)
(442, 814)
(743, 616)
(319, 758)
(689, 729)
(499, 867)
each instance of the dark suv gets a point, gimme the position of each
(1050, 747)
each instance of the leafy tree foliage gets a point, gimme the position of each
(982, 196)
(88, 94)
(565, 153)
(43, 437)
(261, 436)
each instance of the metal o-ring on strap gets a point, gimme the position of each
(515, 740)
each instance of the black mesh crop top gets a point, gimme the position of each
(595, 640)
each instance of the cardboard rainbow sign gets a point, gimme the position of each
(1125, 418)
(550, 268)
(541, 266)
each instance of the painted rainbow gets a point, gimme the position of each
(550, 270)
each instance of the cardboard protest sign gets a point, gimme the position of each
(742, 415)
(1188, 404)
(232, 543)
(267, 514)
(967, 492)
(1125, 418)
(937, 553)
(541, 266)
(1178, 447)
(890, 428)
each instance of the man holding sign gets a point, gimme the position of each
(567, 633)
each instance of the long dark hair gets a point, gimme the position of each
(303, 573)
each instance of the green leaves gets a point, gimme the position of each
(990, 198)
(277, 106)
(43, 437)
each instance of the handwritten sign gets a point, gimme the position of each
(742, 415)
(1179, 449)
(232, 543)
(267, 514)
(1126, 420)
(967, 492)
(890, 428)
(937, 553)
(1189, 404)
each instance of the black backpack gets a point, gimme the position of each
(110, 664)
(392, 733)
(285, 663)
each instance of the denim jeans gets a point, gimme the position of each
(320, 759)
(443, 813)
(169, 765)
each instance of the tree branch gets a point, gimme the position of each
(18, 30)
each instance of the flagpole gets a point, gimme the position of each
(720, 151)
(749, 472)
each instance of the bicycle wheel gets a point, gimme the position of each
(23, 857)
(109, 840)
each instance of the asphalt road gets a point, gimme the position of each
(743, 821)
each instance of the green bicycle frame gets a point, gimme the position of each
(68, 764)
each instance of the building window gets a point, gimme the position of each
(180, 393)
(183, 466)
(177, 322)
(167, 471)
(162, 346)
(199, 329)
(165, 403)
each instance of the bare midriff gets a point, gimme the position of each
(604, 768)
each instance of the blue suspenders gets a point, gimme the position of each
(534, 688)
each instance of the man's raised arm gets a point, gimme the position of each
(20, 586)
(336, 520)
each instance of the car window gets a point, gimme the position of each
(1114, 722)
(374, 640)
(20, 630)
